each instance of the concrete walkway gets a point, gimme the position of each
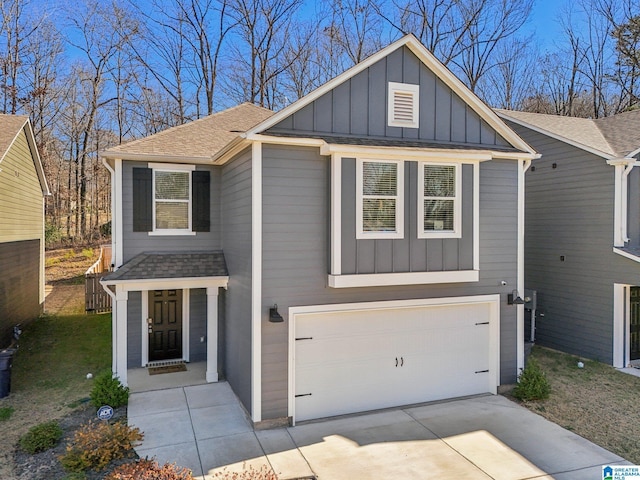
(204, 428)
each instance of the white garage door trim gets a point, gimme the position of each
(494, 329)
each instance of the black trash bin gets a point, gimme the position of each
(6, 359)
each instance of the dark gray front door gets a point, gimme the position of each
(165, 328)
(634, 321)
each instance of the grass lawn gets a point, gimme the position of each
(48, 378)
(597, 402)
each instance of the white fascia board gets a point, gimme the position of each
(163, 283)
(232, 149)
(561, 138)
(295, 141)
(405, 153)
(31, 139)
(406, 278)
(159, 158)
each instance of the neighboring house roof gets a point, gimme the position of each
(610, 137)
(10, 128)
(198, 140)
(170, 265)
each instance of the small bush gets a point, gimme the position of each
(41, 437)
(107, 390)
(532, 383)
(145, 469)
(95, 444)
(87, 252)
(263, 473)
(5, 413)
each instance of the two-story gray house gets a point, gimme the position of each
(359, 249)
(583, 232)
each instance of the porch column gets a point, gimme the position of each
(120, 334)
(212, 334)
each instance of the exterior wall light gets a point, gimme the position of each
(274, 316)
(514, 298)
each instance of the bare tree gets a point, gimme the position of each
(263, 29)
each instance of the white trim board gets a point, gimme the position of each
(256, 282)
(408, 278)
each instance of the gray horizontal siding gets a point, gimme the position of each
(236, 239)
(569, 212)
(359, 107)
(295, 257)
(409, 254)
(138, 242)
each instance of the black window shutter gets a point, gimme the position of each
(142, 200)
(201, 209)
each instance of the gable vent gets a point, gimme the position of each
(403, 105)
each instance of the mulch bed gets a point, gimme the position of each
(45, 465)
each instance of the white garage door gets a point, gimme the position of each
(363, 358)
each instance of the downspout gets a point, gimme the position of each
(115, 259)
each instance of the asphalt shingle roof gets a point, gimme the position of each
(580, 130)
(154, 265)
(201, 138)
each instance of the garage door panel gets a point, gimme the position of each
(352, 361)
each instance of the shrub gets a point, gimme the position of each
(95, 444)
(145, 469)
(87, 252)
(532, 383)
(41, 437)
(107, 390)
(5, 413)
(251, 473)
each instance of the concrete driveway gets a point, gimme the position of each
(204, 428)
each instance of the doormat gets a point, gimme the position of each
(180, 367)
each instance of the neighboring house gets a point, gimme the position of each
(353, 251)
(582, 244)
(22, 191)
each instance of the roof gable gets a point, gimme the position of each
(11, 126)
(406, 60)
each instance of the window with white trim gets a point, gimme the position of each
(379, 199)
(171, 200)
(403, 105)
(440, 200)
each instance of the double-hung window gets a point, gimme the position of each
(440, 200)
(379, 199)
(172, 199)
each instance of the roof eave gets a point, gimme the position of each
(154, 157)
(549, 133)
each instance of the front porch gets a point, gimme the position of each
(141, 381)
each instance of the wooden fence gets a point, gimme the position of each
(96, 299)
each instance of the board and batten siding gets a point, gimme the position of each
(358, 107)
(198, 325)
(21, 239)
(408, 254)
(569, 259)
(236, 240)
(138, 242)
(296, 206)
(134, 329)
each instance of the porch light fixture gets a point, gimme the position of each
(274, 316)
(514, 299)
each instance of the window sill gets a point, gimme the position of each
(409, 278)
(173, 233)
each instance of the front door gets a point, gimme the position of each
(634, 324)
(165, 324)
